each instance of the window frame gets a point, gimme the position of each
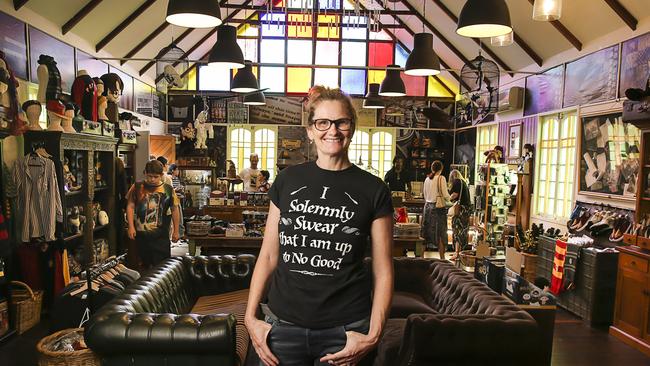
(242, 161)
(370, 150)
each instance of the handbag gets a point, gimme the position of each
(454, 210)
(441, 202)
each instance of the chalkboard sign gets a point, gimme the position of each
(13, 44)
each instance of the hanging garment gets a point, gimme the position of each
(558, 267)
(38, 201)
(66, 267)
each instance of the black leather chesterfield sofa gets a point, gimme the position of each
(156, 320)
(441, 315)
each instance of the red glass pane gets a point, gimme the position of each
(414, 85)
(380, 54)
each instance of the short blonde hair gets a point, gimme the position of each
(321, 93)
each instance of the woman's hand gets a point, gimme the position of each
(259, 331)
(357, 346)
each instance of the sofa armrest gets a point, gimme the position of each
(446, 339)
(129, 333)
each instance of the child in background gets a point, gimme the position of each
(263, 184)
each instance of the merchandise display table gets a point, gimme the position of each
(218, 245)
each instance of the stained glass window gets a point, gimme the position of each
(330, 30)
(299, 52)
(298, 80)
(300, 25)
(298, 4)
(353, 54)
(272, 78)
(353, 81)
(354, 27)
(379, 36)
(434, 89)
(214, 78)
(400, 55)
(249, 48)
(376, 76)
(414, 85)
(272, 51)
(272, 25)
(329, 4)
(248, 29)
(380, 54)
(327, 53)
(326, 77)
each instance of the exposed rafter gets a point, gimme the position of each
(564, 31)
(125, 23)
(145, 42)
(19, 4)
(524, 46)
(623, 13)
(177, 40)
(79, 16)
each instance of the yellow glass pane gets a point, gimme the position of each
(298, 80)
(376, 76)
(249, 29)
(300, 25)
(191, 79)
(435, 89)
(332, 31)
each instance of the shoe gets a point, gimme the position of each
(606, 220)
(587, 220)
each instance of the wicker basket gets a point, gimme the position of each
(84, 357)
(26, 305)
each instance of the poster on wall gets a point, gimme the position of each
(591, 78)
(277, 111)
(609, 156)
(126, 100)
(13, 44)
(237, 112)
(544, 91)
(41, 43)
(218, 111)
(143, 97)
(404, 112)
(293, 147)
(94, 68)
(635, 63)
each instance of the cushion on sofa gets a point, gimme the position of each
(407, 303)
(391, 339)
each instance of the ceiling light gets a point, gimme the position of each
(547, 10)
(392, 85)
(194, 13)
(226, 52)
(373, 101)
(484, 18)
(504, 40)
(422, 61)
(244, 81)
(255, 98)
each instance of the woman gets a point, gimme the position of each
(434, 221)
(323, 307)
(460, 222)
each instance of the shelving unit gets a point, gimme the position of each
(420, 157)
(492, 190)
(195, 179)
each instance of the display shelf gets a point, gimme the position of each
(73, 237)
(7, 336)
(74, 193)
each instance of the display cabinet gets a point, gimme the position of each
(493, 199)
(199, 181)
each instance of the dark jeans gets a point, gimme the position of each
(153, 249)
(297, 346)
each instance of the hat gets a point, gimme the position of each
(56, 107)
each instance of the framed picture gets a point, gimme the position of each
(514, 140)
(609, 156)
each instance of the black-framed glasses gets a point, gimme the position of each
(324, 124)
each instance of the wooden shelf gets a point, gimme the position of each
(73, 237)
(7, 336)
(74, 193)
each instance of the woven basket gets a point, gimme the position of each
(26, 305)
(84, 357)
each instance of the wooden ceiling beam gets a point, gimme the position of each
(79, 16)
(564, 31)
(623, 13)
(19, 4)
(145, 42)
(520, 42)
(125, 23)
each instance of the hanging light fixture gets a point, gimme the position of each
(226, 52)
(373, 101)
(194, 13)
(504, 40)
(422, 61)
(547, 10)
(392, 85)
(484, 18)
(244, 81)
(255, 98)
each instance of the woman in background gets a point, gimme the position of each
(434, 222)
(460, 222)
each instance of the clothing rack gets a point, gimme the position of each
(93, 271)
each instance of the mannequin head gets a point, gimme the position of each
(55, 113)
(113, 86)
(67, 120)
(33, 109)
(99, 84)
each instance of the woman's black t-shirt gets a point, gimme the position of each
(458, 187)
(325, 219)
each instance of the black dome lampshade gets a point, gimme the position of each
(484, 18)
(373, 100)
(422, 61)
(226, 52)
(392, 85)
(255, 98)
(194, 13)
(244, 81)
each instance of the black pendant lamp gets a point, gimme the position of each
(255, 98)
(226, 52)
(245, 81)
(422, 61)
(484, 18)
(373, 101)
(392, 85)
(194, 13)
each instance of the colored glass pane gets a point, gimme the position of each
(299, 4)
(379, 36)
(272, 78)
(380, 54)
(376, 76)
(248, 48)
(270, 26)
(435, 89)
(326, 77)
(414, 85)
(400, 55)
(329, 4)
(347, 5)
(327, 53)
(214, 78)
(354, 27)
(298, 80)
(353, 81)
(299, 52)
(191, 79)
(247, 29)
(272, 51)
(299, 26)
(353, 54)
(331, 31)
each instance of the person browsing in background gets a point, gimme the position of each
(263, 181)
(324, 305)
(152, 207)
(459, 222)
(167, 179)
(397, 178)
(434, 215)
(249, 175)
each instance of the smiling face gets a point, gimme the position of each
(332, 142)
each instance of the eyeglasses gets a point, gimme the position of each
(324, 124)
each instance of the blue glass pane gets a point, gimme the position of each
(354, 27)
(329, 4)
(272, 51)
(400, 55)
(353, 81)
(353, 54)
(270, 26)
(214, 78)
(272, 78)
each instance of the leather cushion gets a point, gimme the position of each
(391, 339)
(407, 303)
